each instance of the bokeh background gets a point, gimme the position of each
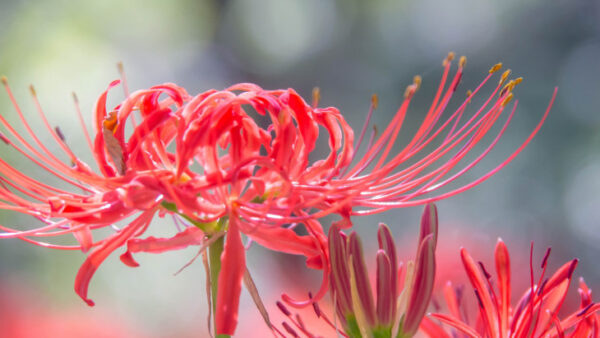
(350, 49)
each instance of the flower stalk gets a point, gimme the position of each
(214, 254)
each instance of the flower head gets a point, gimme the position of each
(139, 177)
(536, 313)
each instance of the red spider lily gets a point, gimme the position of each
(205, 159)
(536, 313)
(138, 177)
(396, 311)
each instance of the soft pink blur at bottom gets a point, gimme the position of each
(24, 313)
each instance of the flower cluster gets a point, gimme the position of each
(206, 161)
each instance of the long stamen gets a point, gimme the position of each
(82, 122)
(121, 70)
(372, 107)
(59, 140)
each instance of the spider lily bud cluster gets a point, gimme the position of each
(361, 315)
(395, 307)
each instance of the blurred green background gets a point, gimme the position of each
(350, 49)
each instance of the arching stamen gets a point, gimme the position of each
(53, 131)
(81, 122)
(372, 107)
(4, 138)
(51, 160)
(121, 70)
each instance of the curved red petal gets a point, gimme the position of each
(233, 265)
(98, 255)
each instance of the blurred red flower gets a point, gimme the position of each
(26, 314)
(536, 313)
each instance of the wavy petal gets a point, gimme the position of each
(190, 236)
(97, 256)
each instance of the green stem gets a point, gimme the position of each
(208, 228)
(214, 255)
(215, 250)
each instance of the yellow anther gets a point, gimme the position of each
(110, 122)
(32, 90)
(316, 95)
(448, 58)
(4, 80)
(507, 99)
(507, 87)
(504, 76)
(469, 94)
(518, 80)
(184, 178)
(75, 97)
(374, 101)
(417, 81)
(462, 62)
(496, 67)
(120, 67)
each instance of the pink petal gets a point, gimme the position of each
(429, 223)
(284, 240)
(480, 286)
(84, 237)
(363, 286)
(457, 324)
(422, 286)
(385, 302)
(233, 265)
(386, 243)
(99, 151)
(503, 271)
(432, 329)
(340, 273)
(190, 236)
(96, 257)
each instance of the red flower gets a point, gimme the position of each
(140, 177)
(205, 159)
(533, 316)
